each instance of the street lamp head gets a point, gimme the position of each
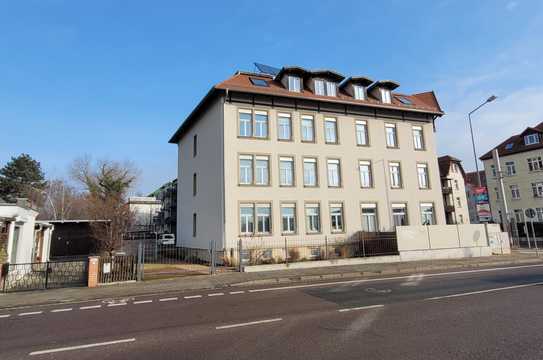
(492, 98)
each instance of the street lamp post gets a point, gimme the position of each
(490, 99)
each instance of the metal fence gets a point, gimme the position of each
(120, 268)
(44, 275)
(259, 251)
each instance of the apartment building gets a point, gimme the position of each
(454, 190)
(305, 154)
(521, 161)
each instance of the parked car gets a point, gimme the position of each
(167, 239)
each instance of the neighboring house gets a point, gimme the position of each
(22, 238)
(521, 161)
(454, 190)
(72, 238)
(144, 209)
(478, 204)
(305, 154)
(165, 221)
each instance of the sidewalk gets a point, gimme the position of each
(235, 279)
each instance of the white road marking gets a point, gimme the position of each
(31, 313)
(142, 302)
(61, 310)
(248, 323)
(236, 292)
(216, 294)
(361, 308)
(391, 278)
(413, 280)
(193, 297)
(4, 316)
(68, 348)
(169, 299)
(485, 291)
(90, 307)
(116, 304)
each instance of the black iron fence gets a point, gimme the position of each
(259, 251)
(119, 268)
(44, 275)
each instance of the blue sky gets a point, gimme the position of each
(114, 79)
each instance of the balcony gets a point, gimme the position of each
(449, 209)
(446, 190)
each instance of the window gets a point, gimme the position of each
(359, 92)
(369, 217)
(336, 217)
(427, 214)
(422, 173)
(245, 169)
(456, 185)
(385, 96)
(285, 126)
(319, 87)
(361, 128)
(263, 218)
(310, 172)
(535, 163)
(262, 170)
(539, 212)
(288, 218)
(515, 192)
(458, 202)
(331, 88)
(194, 223)
(531, 139)
(261, 124)
(195, 146)
(511, 169)
(312, 218)
(519, 216)
(497, 193)
(246, 219)
(395, 175)
(286, 171)
(334, 176)
(461, 218)
(245, 123)
(259, 82)
(330, 130)
(537, 189)
(493, 170)
(399, 214)
(418, 138)
(390, 130)
(194, 184)
(294, 83)
(509, 146)
(366, 178)
(308, 132)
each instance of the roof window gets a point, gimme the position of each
(259, 82)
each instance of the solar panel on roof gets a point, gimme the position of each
(259, 82)
(267, 69)
(404, 100)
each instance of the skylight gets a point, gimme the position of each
(259, 82)
(404, 100)
(509, 146)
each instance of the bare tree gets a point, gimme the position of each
(106, 185)
(62, 201)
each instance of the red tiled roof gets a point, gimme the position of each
(426, 102)
(517, 142)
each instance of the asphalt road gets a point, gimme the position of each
(481, 314)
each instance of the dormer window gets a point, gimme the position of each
(294, 83)
(531, 139)
(325, 88)
(359, 92)
(385, 96)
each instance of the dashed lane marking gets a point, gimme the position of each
(216, 294)
(168, 299)
(248, 323)
(86, 346)
(31, 313)
(117, 304)
(236, 292)
(4, 316)
(90, 307)
(484, 291)
(361, 308)
(193, 297)
(142, 302)
(61, 310)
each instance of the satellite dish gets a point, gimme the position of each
(530, 213)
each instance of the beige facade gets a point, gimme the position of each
(230, 185)
(518, 184)
(454, 192)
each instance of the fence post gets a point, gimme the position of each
(361, 235)
(326, 246)
(46, 273)
(211, 258)
(140, 262)
(240, 252)
(286, 251)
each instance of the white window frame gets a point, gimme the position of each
(245, 121)
(366, 178)
(286, 178)
(515, 192)
(337, 221)
(331, 88)
(403, 207)
(535, 164)
(333, 167)
(386, 96)
(537, 189)
(320, 87)
(261, 131)
(359, 92)
(330, 130)
(395, 177)
(418, 137)
(294, 83)
(361, 132)
(510, 168)
(307, 119)
(423, 214)
(366, 216)
(391, 135)
(290, 219)
(263, 217)
(309, 223)
(314, 176)
(249, 219)
(531, 139)
(281, 118)
(242, 172)
(262, 178)
(423, 176)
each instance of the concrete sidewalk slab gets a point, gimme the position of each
(235, 279)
